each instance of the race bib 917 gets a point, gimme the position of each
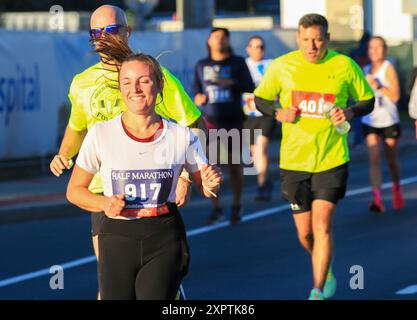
(310, 104)
(143, 188)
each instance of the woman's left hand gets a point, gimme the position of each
(372, 81)
(211, 177)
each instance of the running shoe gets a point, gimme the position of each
(216, 216)
(376, 206)
(330, 285)
(264, 192)
(316, 294)
(180, 294)
(268, 190)
(236, 215)
(397, 198)
(260, 193)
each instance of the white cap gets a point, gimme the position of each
(327, 106)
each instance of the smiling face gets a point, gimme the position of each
(312, 42)
(139, 87)
(376, 50)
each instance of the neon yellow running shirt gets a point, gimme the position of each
(95, 97)
(311, 143)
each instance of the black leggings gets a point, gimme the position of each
(144, 259)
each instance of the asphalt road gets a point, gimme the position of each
(258, 259)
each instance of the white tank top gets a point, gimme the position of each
(385, 113)
(257, 70)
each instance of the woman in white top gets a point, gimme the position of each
(265, 125)
(143, 248)
(383, 124)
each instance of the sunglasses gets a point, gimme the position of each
(257, 46)
(113, 29)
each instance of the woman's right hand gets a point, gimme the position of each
(59, 163)
(114, 205)
(211, 177)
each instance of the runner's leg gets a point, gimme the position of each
(322, 218)
(261, 158)
(373, 142)
(236, 182)
(96, 252)
(391, 154)
(118, 265)
(304, 227)
(161, 276)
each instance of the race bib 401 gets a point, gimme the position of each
(143, 188)
(310, 104)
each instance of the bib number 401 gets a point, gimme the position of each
(312, 107)
(311, 104)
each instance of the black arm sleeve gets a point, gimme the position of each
(362, 108)
(245, 81)
(196, 85)
(266, 107)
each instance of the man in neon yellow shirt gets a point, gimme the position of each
(314, 156)
(95, 97)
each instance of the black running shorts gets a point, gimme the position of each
(300, 188)
(393, 132)
(97, 219)
(265, 123)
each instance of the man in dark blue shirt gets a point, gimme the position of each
(219, 81)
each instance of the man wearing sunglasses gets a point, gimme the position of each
(95, 97)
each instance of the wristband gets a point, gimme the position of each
(185, 179)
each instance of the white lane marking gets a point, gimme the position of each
(43, 272)
(192, 233)
(249, 217)
(408, 290)
(33, 205)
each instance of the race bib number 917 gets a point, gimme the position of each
(143, 188)
(310, 104)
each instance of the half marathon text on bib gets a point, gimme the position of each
(311, 104)
(143, 188)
